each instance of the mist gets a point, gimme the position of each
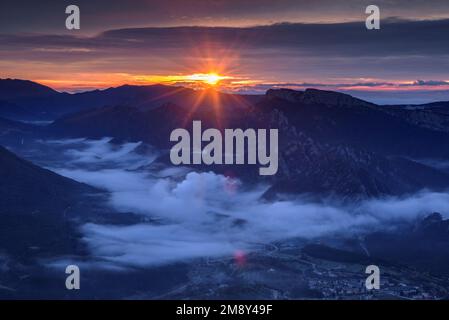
(203, 214)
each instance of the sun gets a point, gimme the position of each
(211, 78)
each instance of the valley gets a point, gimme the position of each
(96, 188)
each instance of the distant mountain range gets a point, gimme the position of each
(330, 143)
(26, 100)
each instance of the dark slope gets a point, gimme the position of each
(424, 245)
(311, 166)
(35, 208)
(6, 124)
(25, 187)
(11, 89)
(13, 111)
(340, 119)
(433, 116)
(26, 100)
(15, 132)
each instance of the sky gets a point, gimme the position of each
(248, 46)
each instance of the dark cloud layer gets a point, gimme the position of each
(403, 38)
(49, 15)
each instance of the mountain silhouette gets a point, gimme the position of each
(330, 143)
(11, 89)
(26, 102)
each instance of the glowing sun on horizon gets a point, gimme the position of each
(211, 78)
(196, 80)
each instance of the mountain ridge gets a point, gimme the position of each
(316, 96)
(33, 101)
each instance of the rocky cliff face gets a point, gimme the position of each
(308, 166)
